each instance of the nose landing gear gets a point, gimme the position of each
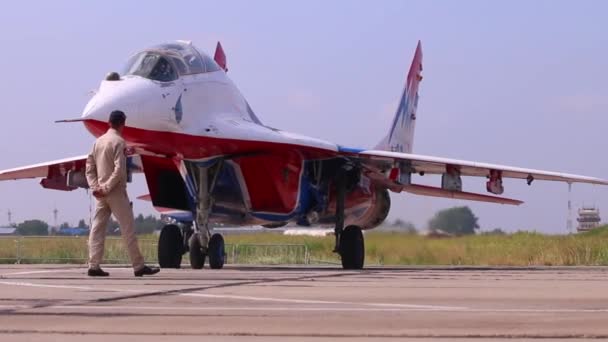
(170, 247)
(197, 239)
(217, 251)
(197, 257)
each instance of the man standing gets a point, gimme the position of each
(106, 173)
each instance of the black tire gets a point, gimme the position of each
(217, 252)
(170, 247)
(197, 258)
(352, 248)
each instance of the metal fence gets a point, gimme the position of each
(74, 250)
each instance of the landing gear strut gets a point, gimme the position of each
(202, 244)
(349, 242)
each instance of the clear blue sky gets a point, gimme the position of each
(513, 82)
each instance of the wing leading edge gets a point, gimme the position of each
(393, 170)
(43, 169)
(63, 174)
(437, 165)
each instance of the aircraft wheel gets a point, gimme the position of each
(197, 258)
(170, 247)
(352, 248)
(217, 252)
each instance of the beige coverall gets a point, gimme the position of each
(107, 170)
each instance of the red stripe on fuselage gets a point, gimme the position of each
(188, 146)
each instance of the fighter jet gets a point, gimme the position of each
(208, 158)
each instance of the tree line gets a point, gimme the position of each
(143, 225)
(456, 221)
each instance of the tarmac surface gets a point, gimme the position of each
(46, 303)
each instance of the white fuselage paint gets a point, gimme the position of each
(212, 107)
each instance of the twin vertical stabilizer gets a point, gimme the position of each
(400, 137)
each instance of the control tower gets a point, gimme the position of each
(588, 218)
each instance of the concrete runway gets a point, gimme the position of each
(43, 303)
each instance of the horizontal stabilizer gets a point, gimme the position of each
(425, 190)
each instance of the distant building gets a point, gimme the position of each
(438, 234)
(308, 231)
(7, 231)
(73, 231)
(588, 218)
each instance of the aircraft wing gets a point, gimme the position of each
(63, 174)
(437, 165)
(392, 170)
(43, 169)
(58, 174)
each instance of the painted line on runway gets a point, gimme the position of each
(249, 298)
(296, 309)
(233, 308)
(307, 301)
(69, 287)
(8, 306)
(37, 272)
(220, 308)
(387, 307)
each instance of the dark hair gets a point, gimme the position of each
(117, 119)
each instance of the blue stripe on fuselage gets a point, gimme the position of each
(354, 150)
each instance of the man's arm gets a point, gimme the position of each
(91, 171)
(120, 168)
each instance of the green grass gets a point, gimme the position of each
(520, 249)
(65, 249)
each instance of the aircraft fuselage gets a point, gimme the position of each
(269, 176)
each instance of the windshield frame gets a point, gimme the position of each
(135, 62)
(184, 57)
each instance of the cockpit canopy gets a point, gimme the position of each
(166, 62)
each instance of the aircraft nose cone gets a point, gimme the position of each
(90, 111)
(111, 96)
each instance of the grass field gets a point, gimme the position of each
(520, 249)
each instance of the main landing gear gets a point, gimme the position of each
(197, 240)
(201, 244)
(215, 251)
(172, 245)
(349, 241)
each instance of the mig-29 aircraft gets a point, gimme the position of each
(207, 158)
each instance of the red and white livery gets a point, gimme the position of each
(207, 157)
